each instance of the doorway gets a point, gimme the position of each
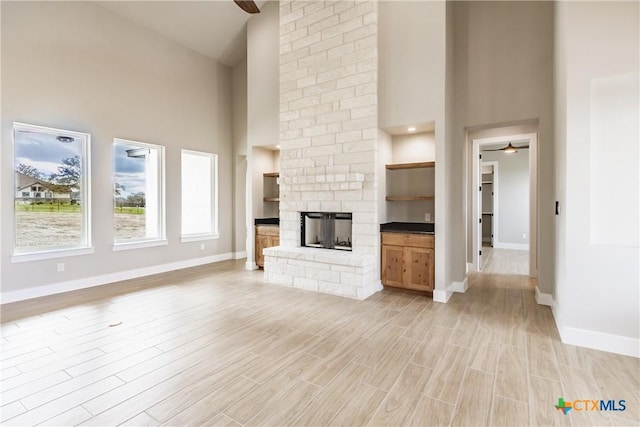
(488, 202)
(504, 203)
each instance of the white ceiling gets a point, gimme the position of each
(215, 28)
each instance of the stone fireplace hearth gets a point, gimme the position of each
(328, 139)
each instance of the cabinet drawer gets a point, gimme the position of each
(408, 239)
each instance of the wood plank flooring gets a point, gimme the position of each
(505, 261)
(214, 345)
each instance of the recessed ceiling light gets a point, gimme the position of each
(411, 129)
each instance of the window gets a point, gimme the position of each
(138, 193)
(51, 192)
(199, 196)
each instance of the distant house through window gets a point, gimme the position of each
(51, 191)
(138, 192)
(199, 196)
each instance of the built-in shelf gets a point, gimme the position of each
(271, 190)
(487, 182)
(417, 165)
(395, 166)
(407, 198)
(487, 213)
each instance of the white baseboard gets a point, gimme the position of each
(601, 341)
(250, 265)
(441, 296)
(240, 255)
(88, 282)
(596, 340)
(470, 267)
(515, 246)
(367, 291)
(460, 286)
(444, 296)
(544, 299)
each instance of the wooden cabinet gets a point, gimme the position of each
(408, 261)
(266, 237)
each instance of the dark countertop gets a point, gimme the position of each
(408, 227)
(267, 221)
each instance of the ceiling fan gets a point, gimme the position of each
(248, 6)
(509, 149)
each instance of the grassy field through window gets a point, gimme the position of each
(53, 225)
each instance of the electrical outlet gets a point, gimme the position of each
(427, 217)
(202, 246)
(524, 236)
(60, 267)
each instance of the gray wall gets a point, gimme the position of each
(597, 132)
(76, 66)
(513, 196)
(411, 60)
(414, 42)
(263, 76)
(504, 75)
(239, 103)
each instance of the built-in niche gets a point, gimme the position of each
(265, 167)
(410, 176)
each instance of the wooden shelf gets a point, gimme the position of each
(271, 199)
(271, 174)
(396, 166)
(408, 198)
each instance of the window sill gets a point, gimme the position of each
(125, 246)
(199, 237)
(51, 254)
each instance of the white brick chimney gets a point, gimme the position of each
(328, 140)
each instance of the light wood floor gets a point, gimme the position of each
(505, 261)
(214, 345)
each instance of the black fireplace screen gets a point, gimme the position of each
(329, 230)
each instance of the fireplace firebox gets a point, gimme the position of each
(329, 230)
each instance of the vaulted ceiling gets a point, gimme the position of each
(215, 28)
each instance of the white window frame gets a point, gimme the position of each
(85, 187)
(214, 234)
(161, 238)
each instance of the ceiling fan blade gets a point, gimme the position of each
(509, 146)
(248, 6)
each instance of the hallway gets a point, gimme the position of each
(505, 261)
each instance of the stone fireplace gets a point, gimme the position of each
(328, 145)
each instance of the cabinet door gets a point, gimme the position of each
(418, 268)
(261, 243)
(392, 269)
(274, 241)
